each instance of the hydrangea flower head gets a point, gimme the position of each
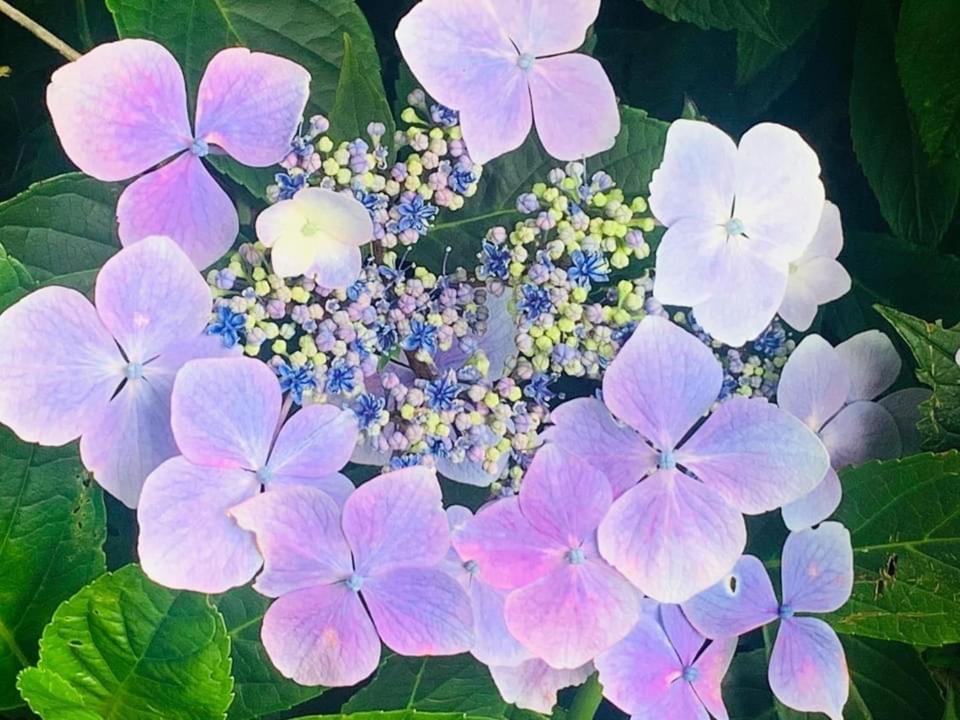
(736, 217)
(808, 670)
(104, 373)
(662, 670)
(681, 528)
(507, 64)
(816, 277)
(370, 572)
(318, 234)
(121, 109)
(227, 421)
(567, 604)
(834, 391)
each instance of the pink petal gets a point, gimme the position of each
(130, 439)
(812, 283)
(686, 641)
(817, 568)
(711, 667)
(574, 613)
(451, 48)
(282, 519)
(808, 669)
(904, 406)
(494, 645)
(236, 87)
(759, 284)
(814, 383)
(120, 109)
(755, 455)
(779, 195)
(509, 551)
(828, 240)
(696, 177)
(662, 381)
(533, 685)
(187, 538)
(396, 519)
(816, 506)
(420, 611)
(490, 134)
(337, 485)
(150, 296)
(585, 428)
(642, 675)
(321, 636)
(672, 536)
(59, 366)
(563, 496)
(224, 412)
(315, 442)
(183, 202)
(546, 27)
(740, 602)
(689, 261)
(574, 106)
(873, 364)
(862, 431)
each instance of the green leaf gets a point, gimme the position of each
(928, 57)
(393, 715)
(52, 527)
(917, 199)
(360, 99)
(888, 271)
(62, 229)
(459, 684)
(259, 689)
(15, 280)
(935, 349)
(749, 15)
(790, 20)
(906, 508)
(631, 162)
(746, 692)
(125, 648)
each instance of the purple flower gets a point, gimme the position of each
(535, 301)
(121, 109)
(587, 268)
(229, 326)
(296, 381)
(808, 670)
(567, 604)
(681, 528)
(496, 260)
(224, 415)
(422, 337)
(290, 185)
(367, 573)
(415, 214)
(661, 669)
(105, 373)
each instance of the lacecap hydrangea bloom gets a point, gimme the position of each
(121, 109)
(506, 65)
(105, 372)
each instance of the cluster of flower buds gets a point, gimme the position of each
(403, 197)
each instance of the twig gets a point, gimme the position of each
(37, 29)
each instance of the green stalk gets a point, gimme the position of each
(587, 700)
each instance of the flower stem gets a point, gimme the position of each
(37, 29)
(587, 700)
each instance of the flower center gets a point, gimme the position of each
(354, 582)
(690, 673)
(785, 612)
(264, 475)
(309, 228)
(525, 61)
(734, 227)
(471, 567)
(199, 148)
(575, 556)
(667, 461)
(133, 371)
